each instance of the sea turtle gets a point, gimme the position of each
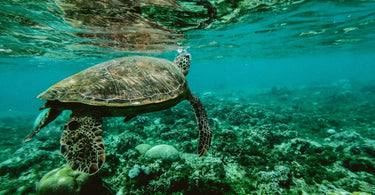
(127, 87)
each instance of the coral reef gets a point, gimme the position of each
(163, 152)
(64, 180)
(282, 141)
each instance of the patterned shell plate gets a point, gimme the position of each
(130, 81)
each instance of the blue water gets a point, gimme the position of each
(291, 44)
(22, 79)
(312, 42)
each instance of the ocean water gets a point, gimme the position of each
(288, 86)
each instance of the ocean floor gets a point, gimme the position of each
(304, 140)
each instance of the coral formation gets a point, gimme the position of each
(163, 152)
(275, 143)
(64, 180)
(138, 170)
(142, 148)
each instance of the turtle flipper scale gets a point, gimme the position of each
(44, 118)
(205, 132)
(82, 143)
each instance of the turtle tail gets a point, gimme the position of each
(205, 132)
(82, 143)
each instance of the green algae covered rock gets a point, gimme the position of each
(163, 152)
(64, 180)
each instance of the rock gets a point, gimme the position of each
(142, 148)
(163, 152)
(64, 180)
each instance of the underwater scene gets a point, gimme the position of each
(187, 97)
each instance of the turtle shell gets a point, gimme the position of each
(121, 82)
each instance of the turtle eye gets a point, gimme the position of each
(187, 56)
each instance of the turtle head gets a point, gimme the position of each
(183, 62)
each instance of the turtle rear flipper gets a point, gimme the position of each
(44, 118)
(82, 143)
(205, 132)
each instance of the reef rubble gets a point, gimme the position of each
(307, 140)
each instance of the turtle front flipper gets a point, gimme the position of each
(44, 118)
(205, 132)
(82, 143)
